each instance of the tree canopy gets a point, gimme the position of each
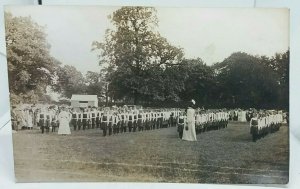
(134, 49)
(145, 67)
(245, 80)
(138, 65)
(30, 66)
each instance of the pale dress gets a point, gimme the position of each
(29, 120)
(190, 134)
(64, 127)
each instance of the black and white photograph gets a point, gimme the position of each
(149, 94)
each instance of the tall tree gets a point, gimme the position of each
(134, 46)
(96, 84)
(244, 81)
(30, 66)
(70, 81)
(280, 65)
(199, 82)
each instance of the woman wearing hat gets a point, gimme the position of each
(189, 130)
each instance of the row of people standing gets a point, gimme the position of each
(22, 118)
(205, 120)
(119, 120)
(240, 115)
(265, 122)
(111, 120)
(45, 118)
(52, 118)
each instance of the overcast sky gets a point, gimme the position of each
(211, 34)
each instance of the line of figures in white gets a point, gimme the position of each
(114, 120)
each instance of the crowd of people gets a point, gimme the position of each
(205, 120)
(265, 122)
(114, 120)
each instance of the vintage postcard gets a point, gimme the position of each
(149, 94)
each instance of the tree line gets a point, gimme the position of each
(139, 66)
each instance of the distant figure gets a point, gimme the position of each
(64, 120)
(189, 130)
(180, 125)
(15, 115)
(29, 119)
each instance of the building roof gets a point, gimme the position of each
(84, 97)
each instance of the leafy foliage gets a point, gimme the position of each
(248, 81)
(30, 66)
(96, 84)
(140, 66)
(143, 66)
(70, 81)
(134, 49)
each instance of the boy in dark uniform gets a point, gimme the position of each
(110, 122)
(98, 119)
(85, 119)
(104, 122)
(48, 121)
(140, 121)
(74, 119)
(79, 119)
(180, 125)
(135, 120)
(54, 122)
(93, 114)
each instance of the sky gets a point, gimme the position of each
(211, 34)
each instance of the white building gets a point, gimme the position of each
(84, 100)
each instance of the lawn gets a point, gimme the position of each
(220, 156)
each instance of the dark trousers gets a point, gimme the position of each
(134, 125)
(84, 124)
(116, 128)
(93, 123)
(110, 128)
(104, 127)
(140, 125)
(180, 130)
(98, 123)
(79, 124)
(44, 125)
(125, 124)
(254, 132)
(146, 125)
(130, 126)
(158, 123)
(54, 125)
(74, 123)
(153, 124)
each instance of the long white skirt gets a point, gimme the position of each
(29, 122)
(189, 130)
(64, 127)
(190, 134)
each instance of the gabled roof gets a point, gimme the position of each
(85, 97)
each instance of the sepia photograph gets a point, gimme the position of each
(149, 94)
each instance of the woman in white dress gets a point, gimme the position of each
(189, 130)
(29, 115)
(64, 120)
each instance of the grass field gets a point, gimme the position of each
(221, 156)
